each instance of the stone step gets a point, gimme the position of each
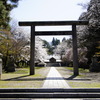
(48, 90)
(50, 93)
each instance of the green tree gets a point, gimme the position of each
(46, 44)
(5, 7)
(55, 42)
(3, 14)
(64, 39)
(6, 44)
(11, 47)
(7, 41)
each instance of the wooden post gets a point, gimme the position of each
(75, 52)
(32, 51)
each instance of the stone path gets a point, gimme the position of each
(55, 80)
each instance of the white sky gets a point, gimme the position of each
(48, 10)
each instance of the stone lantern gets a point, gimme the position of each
(95, 65)
(0, 65)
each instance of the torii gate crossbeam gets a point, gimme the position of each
(53, 23)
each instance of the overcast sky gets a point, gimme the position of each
(46, 10)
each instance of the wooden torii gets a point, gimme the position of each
(53, 23)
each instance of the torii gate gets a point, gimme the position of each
(53, 23)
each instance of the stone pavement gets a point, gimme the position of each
(55, 80)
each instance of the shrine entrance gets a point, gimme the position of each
(53, 23)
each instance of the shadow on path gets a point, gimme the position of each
(73, 77)
(24, 78)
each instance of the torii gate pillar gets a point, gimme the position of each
(75, 52)
(32, 51)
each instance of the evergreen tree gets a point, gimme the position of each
(46, 44)
(5, 7)
(64, 39)
(53, 42)
(57, 42)
(7, 42)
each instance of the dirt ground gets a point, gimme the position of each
(85, 79)
(92, 75)
(22, 79)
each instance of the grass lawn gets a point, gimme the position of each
(22, 79)
(84, 84)
(84, 80)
